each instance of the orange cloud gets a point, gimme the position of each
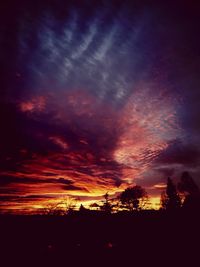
(59, 141)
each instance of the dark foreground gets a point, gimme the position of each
(149, 238)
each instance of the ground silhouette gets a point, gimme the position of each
(165, 237)
(137, 237)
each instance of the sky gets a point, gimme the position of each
(96, 96)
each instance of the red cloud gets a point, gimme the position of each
(149, 123)
(36, 104)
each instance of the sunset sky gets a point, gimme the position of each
(96, 96)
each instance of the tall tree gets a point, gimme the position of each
(170, 200)
(106, 206)
(191, 191)
(163, 200)
(131, 197)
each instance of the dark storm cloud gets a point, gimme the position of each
(11, 190)
(180, 153)
(73, 187)
(166, 171)
(23, 198)
(6, 180)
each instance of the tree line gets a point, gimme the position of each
(184, 195)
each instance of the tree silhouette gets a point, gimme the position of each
(106, 206)
(191, 191)
(53, 209)
(131, 197)
(163, 200)
(62, 206)
(82, 209)
(170, 200)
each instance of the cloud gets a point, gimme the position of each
(6, 180)
(148, 123)
(96, 97)
(73, 187)
(36, 104)
(180, 153)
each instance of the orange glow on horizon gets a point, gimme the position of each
(90, 165)
(62, 202)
